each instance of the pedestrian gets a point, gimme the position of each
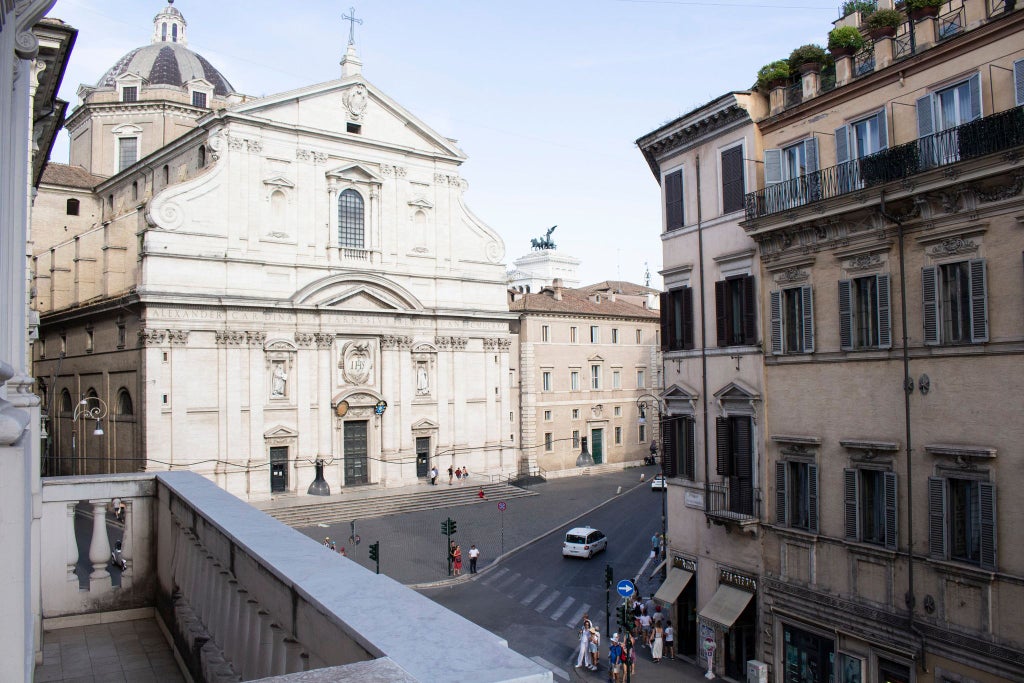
(480, 493)
(645, 625)
(658, 616)
(341, 551)
(458, 475)
(457, 560)
(657, 642)
(465, 473)
(433, 476)
(629, 644)
(584, 635)
(670, 640)
(450, 473)
(594, 648)
(474, 555)
(334, 546)
(327, 542)
(615, 657)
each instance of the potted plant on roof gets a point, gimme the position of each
(845, 41)
(920, 9)
(807, 59)
(773, 75)
(883, 23)
(862, 6)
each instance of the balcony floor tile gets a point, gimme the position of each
(120, 652)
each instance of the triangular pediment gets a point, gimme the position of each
(356, 172)
(278, 181)
(421, 203)
(596, 359)
(737, 391)
(424, 424)
(280, 432)
(363, 291)
(680, 391)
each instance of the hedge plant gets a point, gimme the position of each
(774, 71)
(845, 37)
(884, 18)
(806, 54)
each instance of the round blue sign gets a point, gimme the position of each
(625, 588)
(502, 506)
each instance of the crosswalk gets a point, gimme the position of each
(543, 599)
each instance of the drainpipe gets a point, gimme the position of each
(908, 388)
(703, 340)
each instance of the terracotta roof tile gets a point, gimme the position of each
(575, 301)
(71, 176)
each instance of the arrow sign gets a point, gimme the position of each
(625, 588)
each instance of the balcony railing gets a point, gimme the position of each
(794, 94)
(978, 138)
(732, 502)
(952, 23)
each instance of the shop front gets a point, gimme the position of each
(678, 593)
(730, 618)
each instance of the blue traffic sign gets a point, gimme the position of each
(625, 588)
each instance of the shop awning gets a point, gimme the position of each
(674, 584)
(658, 568)
(726, 606)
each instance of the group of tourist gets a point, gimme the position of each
(650, 627)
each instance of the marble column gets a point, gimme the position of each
(99, 549)
(72, 543)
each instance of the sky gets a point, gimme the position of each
(546, 98)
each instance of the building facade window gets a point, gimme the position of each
(796, 495)
(733, 186)
(89, 341)
(575, 438)
(351, 231)
(595, 334)
(122, 335)
(618, 436)
(72, 207)
(864, 320)
(955, 302)
(546, 380)
(639, 337)
(549, 442)
(854, 142)
(198, 99)
(127, 152)
(575, 413)
(201, 157)
(124, 403)
(944, 110)
(547, 416)
(677, 447)
(615, 335)
(674, 200)
(641, 434)
(641, 379)
(792, 320)
(574, 380)
(735, 460)
(962, 521)
(616, 379)
(545, 333)
(130, 93)
(806, 656)
(676, 319)
(869, 499)
(574, 335)
(595, 376)
(736, 311)
(788, 175)
(617, 411)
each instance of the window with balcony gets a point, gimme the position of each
(676, 319)
(735, 461)
(955, 303)
(574, 380)
(796, 495)
(736, 311)
(674, 200)
(677, 447)
(733, 187)
(855, 142)
(938, 115)
(351, 232)
(962, 521)
(545, 378)
(595, 334)
(792, 320)
(869, 504)
(790, 175)
(864, 313)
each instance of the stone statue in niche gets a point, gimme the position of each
(279, 381)
(422, 379)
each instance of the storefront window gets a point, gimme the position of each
(851, 669)
(809, 658)
(892, 672)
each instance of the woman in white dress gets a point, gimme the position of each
(657, 642)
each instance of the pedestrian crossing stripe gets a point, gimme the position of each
(547, 601)
(503, 580)
(566, 604)
(533, 594)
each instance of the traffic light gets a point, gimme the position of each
(374, 551)
(448, 527)
(607, 576)
(622, 616)
(444, 528)
(451, 525)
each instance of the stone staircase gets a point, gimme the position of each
(362, 504)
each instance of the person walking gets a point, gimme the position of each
(458, 475)
(629, 645)
(670, 640)
(645, 625)
(584, 636)
(457, 560)
(433, 476)
(615, 657)
(474, 555)
(657, 642)
(451, 473)
(594, 648)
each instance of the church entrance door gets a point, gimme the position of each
(278, 469)
(422, 456)
(355, 452)
(597, 445)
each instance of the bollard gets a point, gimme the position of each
(618, 491)
(642, 474)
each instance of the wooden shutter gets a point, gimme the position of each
(775, 306)
(689, 450)
(666, 317)
(674, 200)
(979, 301)
(851, 515)
(668, 446)
(988, 525)
(842, 144)
(883, 131)
(812, 498)
(722, 446)
(1018, 81)
(925, 117)
(772, 166)
(846, 315)
(721, 309)
(813, 179)
(749, 311)
(781, 509)
(732, 179)
(891, 498)
(937, 518)
(807, 309)
(930, 291)
(884, 317)
(743, 466)
(974, 85)
(687, 318)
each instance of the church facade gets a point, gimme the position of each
(266, 284)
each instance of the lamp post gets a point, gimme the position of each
(88, 408)
(659, 405)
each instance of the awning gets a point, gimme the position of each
(658, 568)
(674, 584)
(726, 606)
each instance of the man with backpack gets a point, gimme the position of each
(616, 658)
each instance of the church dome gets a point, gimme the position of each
(167, 60)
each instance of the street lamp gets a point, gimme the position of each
(89, 408)
(659, 405)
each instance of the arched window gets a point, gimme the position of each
(91, 393)
(124, 402)
(163, 31)
(72, 207)
(202, 156)
(174, 33)
(65, 401)
(350, 220)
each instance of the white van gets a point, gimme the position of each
(583, 541)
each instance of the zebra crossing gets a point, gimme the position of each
(543, 599)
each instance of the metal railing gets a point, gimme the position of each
(864, 61)
(980, 137)
(731, 501)
(903, 45)
(794, 94)
(996, 7)
(952, 23)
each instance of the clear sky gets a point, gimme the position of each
(546, 98)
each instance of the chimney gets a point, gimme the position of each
(556, 286)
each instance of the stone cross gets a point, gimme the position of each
(352, 21)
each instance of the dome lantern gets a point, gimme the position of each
(169, 26)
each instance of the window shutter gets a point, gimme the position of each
(732, 179)
(749, 311)
(721, 298)
(722, 439)
(807, 307)
(850, 498)
(846, 315)
(925, 117)
(891, 497)
(937, 518)
(988, 525)
(1018, 80)
(884, 318)
(979, 301)
(775, 304)
(674, 200)
(689, 452)
(669, 456)
(772, 166)
(974, 84)
(687, 318)
(812, 498)
(781, 510)
(930, 290)
(666, 314)
(842, 145)
(813, 179)
(883, 131)
(743, 467)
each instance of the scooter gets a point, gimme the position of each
(116, 557)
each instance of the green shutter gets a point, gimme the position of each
(812, 498)
(749, 311)
(979, 301)
(850, 513)
(937, 518)
(666, 316)
(891, 498)
(1018, 81)
(775, 306)
(690, 452)
(687, 318)
(884, 316)
(721, 308)
(669, 455)
(974, 85)
(722, 446)
(807, 309)
(772, 166)
(781, 509)
(925, 117)
(846, 315)
(930, 292)
(988, 525)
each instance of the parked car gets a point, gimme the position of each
(658, 483)
(583, 541)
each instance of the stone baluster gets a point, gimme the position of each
(292, 656)
(72, 553)
(250, 664)
(304, 662)
(127, 544)
(229, 621)
(265, 650)
(192, 568)
(205, 595)
(239, 628)
(99, 549)
(277, 662)
(217, 623)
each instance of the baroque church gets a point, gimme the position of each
(247, 287)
